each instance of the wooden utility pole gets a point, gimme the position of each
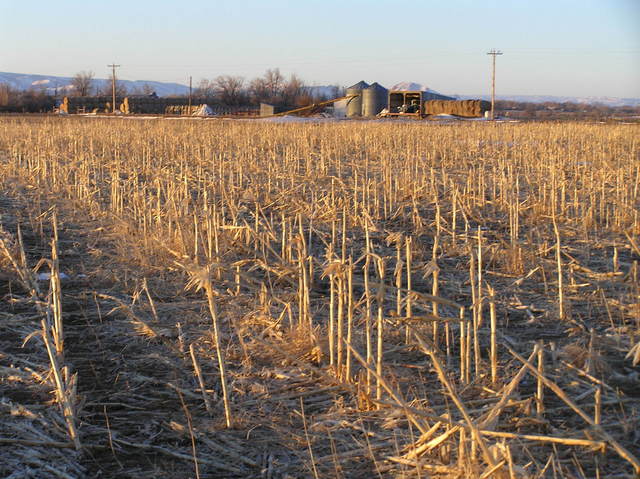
(113, 67)
(493, 53)
(189, 96)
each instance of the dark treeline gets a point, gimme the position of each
(29, 101)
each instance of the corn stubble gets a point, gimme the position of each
(393, 276)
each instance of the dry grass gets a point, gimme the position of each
(370, 292)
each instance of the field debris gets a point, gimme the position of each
(318, 299)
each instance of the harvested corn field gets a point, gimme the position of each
(253, 299)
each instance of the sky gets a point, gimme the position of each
(551, 47)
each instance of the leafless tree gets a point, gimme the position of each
(274, 88)
(268, 88)
(121, 89)
(205, 88)
(274, 82)
(293, 90)
(258, 90)
(229, 89)
(82, 83)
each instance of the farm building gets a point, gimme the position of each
(374, 99)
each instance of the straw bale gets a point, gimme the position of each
(464, 108)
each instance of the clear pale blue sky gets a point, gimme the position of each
(561, 47)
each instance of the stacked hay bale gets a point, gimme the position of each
(464, 108)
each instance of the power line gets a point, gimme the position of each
(493, 53)
(113, 67)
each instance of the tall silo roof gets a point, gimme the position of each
(377, 86)
(361, 85)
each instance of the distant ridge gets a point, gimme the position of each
(589, 100)
(51, 84)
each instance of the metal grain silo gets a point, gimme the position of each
(374, 99)
(354, 105)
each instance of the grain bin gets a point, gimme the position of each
(374, 99)
(354, 106)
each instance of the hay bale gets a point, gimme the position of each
(463, 108)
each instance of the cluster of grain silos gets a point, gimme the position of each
(371, 99)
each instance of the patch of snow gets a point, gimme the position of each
(204, 110)
(296, 119)
(412, 86)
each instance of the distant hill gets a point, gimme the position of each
(590, 100)
(52, 84)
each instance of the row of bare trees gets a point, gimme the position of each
(83, 85)
(272, 87)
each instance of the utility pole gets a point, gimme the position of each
(113, 67)
(493, 53)
(189, 110)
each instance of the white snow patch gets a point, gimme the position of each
(412, 86)
(203, 110)
(297, 119)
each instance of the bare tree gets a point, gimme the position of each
(82, 83)
(258, 90)
(205, 88)
(268, 88)
(293, 91)
(230, 89)
(274, 82)
(121, 89)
